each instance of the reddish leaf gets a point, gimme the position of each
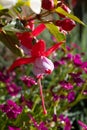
(38, 30)
(19, 62)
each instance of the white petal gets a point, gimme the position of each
(8, 3)
(35, 5)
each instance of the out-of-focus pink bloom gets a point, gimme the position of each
(26, 102)
(71, 96)
(84, 126)
(66, 85)
(13, 128)
(29, 81)
(66, 121)
(40, 126)
(77, 78)
(11, 109)
(84, 66)
(13, 89)
(77, 60)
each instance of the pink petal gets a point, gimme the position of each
(38, 29)
(42, 66)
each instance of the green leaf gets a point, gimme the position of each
(4, 12)
(1, 7)
(11, 42)
(55, 32)
(55, 2)
(71, 16)
(15, 26)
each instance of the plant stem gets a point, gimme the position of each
(42, 97)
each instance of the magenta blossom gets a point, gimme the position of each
(66, 121)
(29, 81)
(71, 96)
(13, 89)
(13, 128)
(84, 126)
(84, 66)
(66, 85)
(11, 109)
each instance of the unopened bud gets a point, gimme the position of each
(65, 8)
(48, 4)
(66, 24)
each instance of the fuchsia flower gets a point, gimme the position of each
(42, 65)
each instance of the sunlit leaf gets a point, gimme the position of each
(11, 42)
(15, 26)
(71, 16)
(55, 32)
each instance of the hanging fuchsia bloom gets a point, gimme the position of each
(42, 65)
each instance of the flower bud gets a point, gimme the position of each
(8, 3)
(65, 8)
(42, 65)
(48, 4)
(66, 24)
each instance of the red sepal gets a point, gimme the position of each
(19, 62)
(38, 49)
(53, 48)
(38, 30)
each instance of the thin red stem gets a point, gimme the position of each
(42, 97)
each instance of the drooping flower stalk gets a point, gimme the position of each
(42, 97)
